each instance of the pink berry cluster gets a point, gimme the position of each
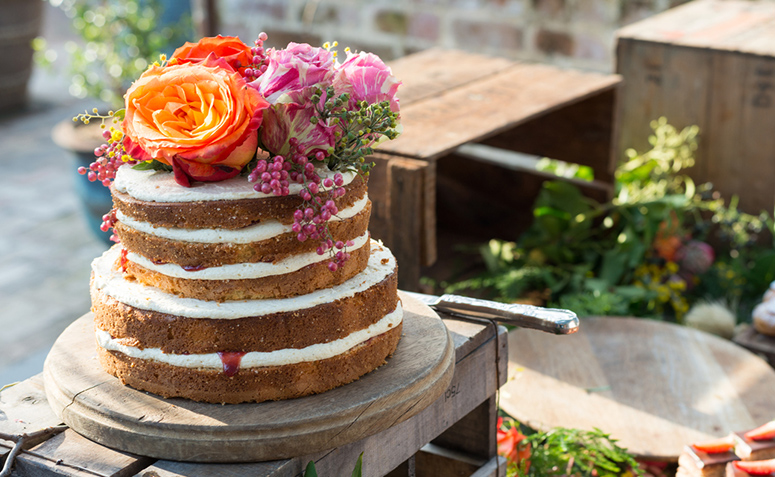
(259, 59)
(310, 220)
(109, 157)
(108, 221)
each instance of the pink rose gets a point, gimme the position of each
(292, 117)
(366, 78)
(293, 69)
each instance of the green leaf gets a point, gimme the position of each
(310, 470)
(358, 466)
(152, 165)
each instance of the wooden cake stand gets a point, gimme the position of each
(98, 406)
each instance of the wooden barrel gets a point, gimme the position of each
(19, 24)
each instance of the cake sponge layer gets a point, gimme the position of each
(252, 384)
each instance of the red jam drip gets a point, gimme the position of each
(123, 260)
(193, 268)
(158, 262)
(231, 361)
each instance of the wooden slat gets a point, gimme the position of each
(721, 25)
(406, 205)
(758, 343)
(433, 71)
(70, 452)
(437, 125)
(496, 467)
(379, 194)
(473, 433)
(474, 382)
(24, 409)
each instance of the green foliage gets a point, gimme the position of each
(121, 39)
(311, 471)
(619, 257)
(574, 452)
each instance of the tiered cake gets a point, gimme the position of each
(210, 296)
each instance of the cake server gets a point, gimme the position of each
(552, 320)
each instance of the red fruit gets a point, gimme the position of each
(716, 446)
(756, 467)
(762, 433)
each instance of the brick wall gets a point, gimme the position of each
(569, 33)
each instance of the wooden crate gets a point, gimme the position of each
(490, 107)
(710, 63)
(462, 421)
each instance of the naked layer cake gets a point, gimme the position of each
(244, 269)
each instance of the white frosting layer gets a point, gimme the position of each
(111, 282)
(241, 271)
(256, 359)
(160, 186)
(254, 233)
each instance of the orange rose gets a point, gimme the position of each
(230, 48)
(199, 118)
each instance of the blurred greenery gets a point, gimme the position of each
(121, 38)
(661, 244)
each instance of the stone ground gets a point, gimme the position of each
(45, 246)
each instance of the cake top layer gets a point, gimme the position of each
(160, 186)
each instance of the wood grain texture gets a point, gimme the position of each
(758, 343)
(79, 456)
(712, 64)
(654, 386)
(99, 407)
(436, 125)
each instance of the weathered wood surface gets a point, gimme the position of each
(654, 386)
(98, 406)
(712, 64)
(736, 26)
(756, 342)
(478, 350)
(436, 125)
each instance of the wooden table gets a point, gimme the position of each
(654, 386)
(452, 98)
(460, 427)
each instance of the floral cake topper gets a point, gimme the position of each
(219, 108)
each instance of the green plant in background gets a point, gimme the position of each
(121, 38)
(562, 452)
(658, 246)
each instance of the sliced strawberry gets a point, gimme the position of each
(756, 467)
(716, 446)
(762, 433)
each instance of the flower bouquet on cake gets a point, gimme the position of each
(244, 270)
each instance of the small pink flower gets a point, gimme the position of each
(292, 117)
(695, 257)
(366, 78)
(293, 69)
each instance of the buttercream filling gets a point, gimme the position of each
(255, 359)
(160, 186)
(111, 282)
(241, 271)
(253, 233)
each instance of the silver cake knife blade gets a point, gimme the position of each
(552, 320)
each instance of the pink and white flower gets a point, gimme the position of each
(292, 117)
(295, 68)
(366, 78)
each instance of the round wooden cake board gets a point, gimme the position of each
(654, 386)
(98, 406)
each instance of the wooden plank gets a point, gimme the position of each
(428, 251)
(73, 454)
(721, 25)
(436, 125)
(405, 177)
(379, 194)
(756, 342)
(585, 129)
(433, 71)
(474, 434)
(430, 463)
(654, 386)
(166, 468)
(496, 467)
(474, 382)
(24, 409)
